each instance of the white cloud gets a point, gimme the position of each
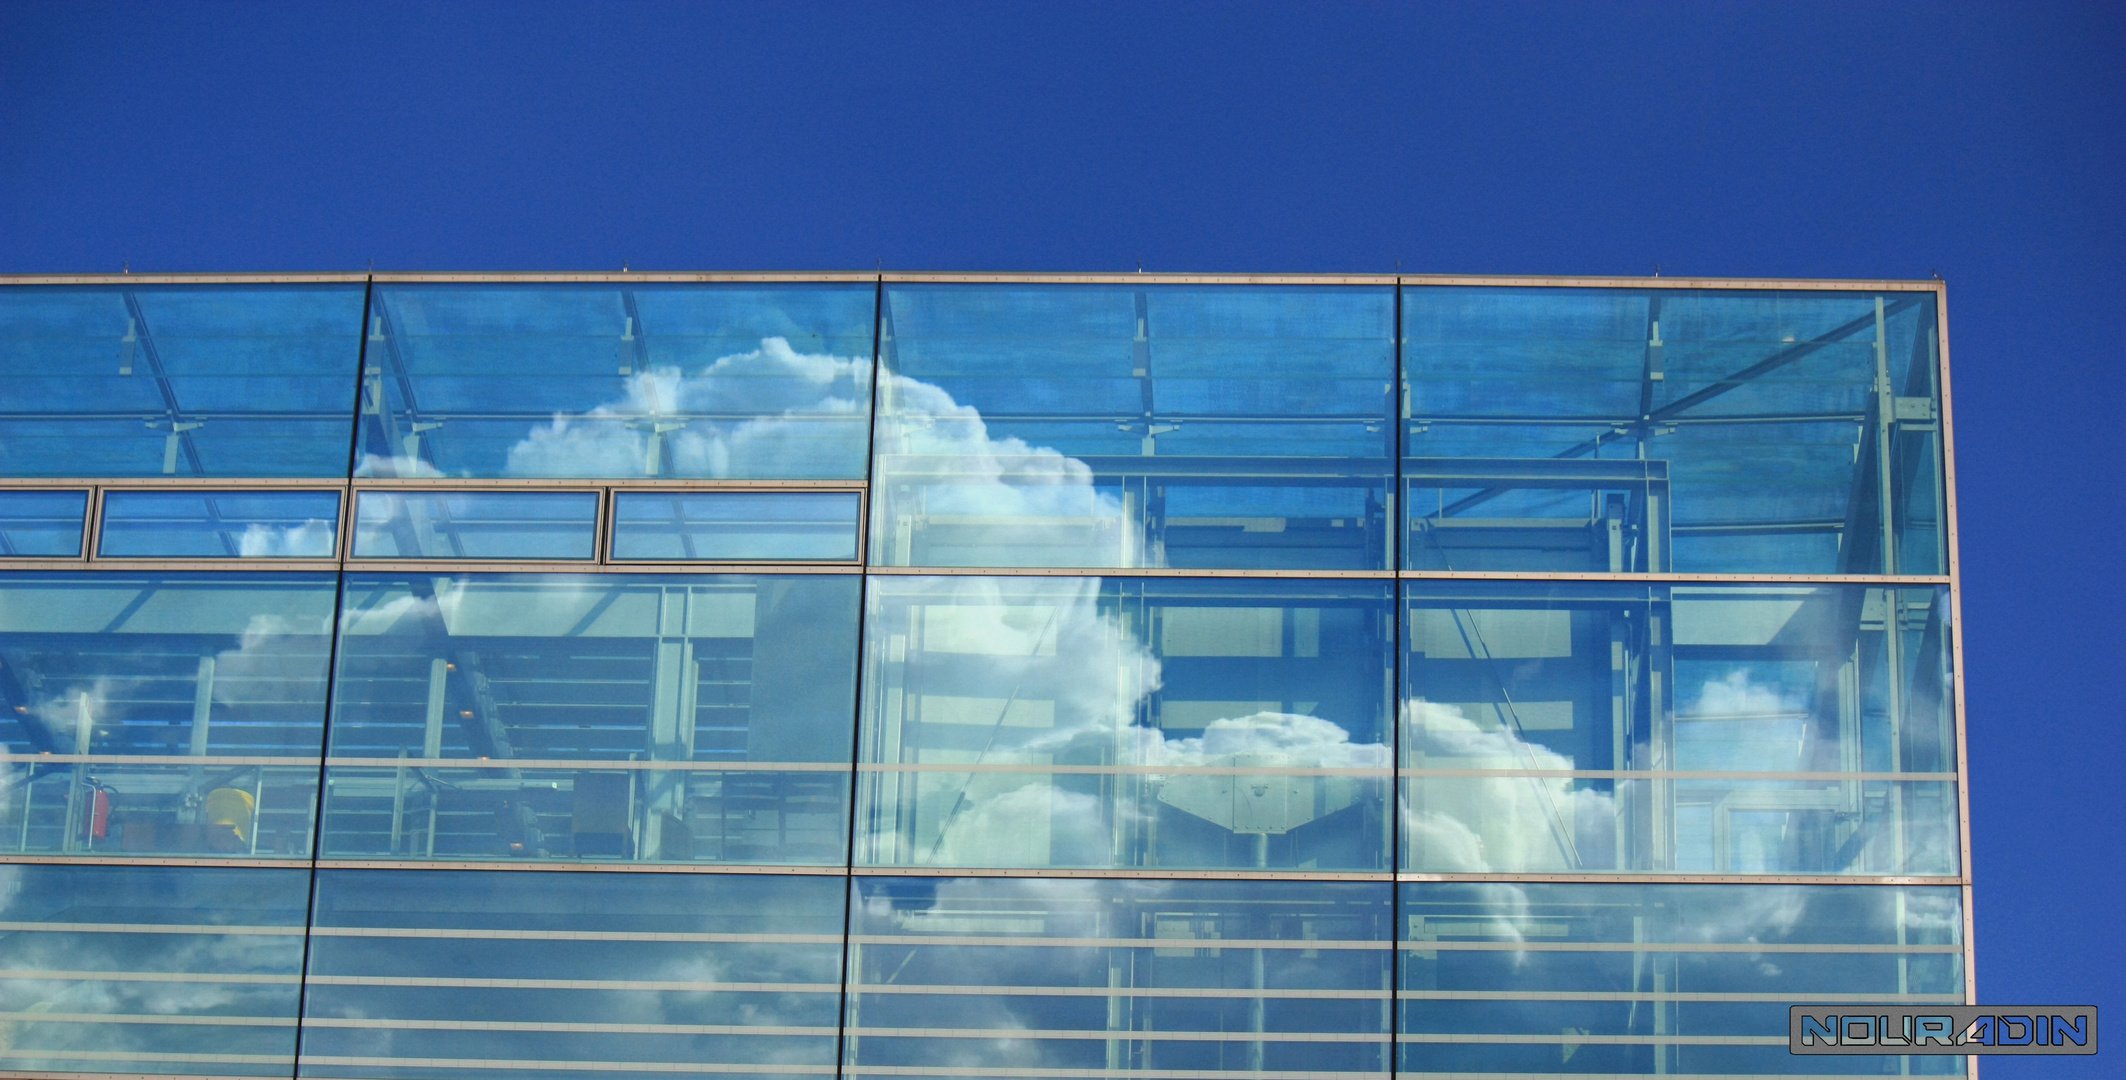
(1471, 824)
(312, 539)
(804, 413)
(1008, 501)
(1070, 684)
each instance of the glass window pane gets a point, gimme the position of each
(795, 526)
(1095, 722)
(133, 970)
(572, 974)
(1693, 980)
(750, 381)
(631, 718)
(178, 380)
(476, 525)
(1725, 729)
(1081, 425)
(1659, 429)
(220, 524)
(162, 714)
(1018, 977)
(42, 524)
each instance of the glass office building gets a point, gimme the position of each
(935, 676)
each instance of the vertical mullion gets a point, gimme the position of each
(856, 725)
(1397, 613)
(332, 671)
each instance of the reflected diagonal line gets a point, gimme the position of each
(153, 358)
(1699, 397)
(1055, 614)
(1520, 733)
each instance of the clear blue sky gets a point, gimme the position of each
(1980, 141)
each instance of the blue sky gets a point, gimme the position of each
(1980, 142)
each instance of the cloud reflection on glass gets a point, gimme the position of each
(1124, 722)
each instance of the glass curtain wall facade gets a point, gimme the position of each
(900, 675)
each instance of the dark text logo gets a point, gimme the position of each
(1940, 1029)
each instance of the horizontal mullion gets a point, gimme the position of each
(203, 760)
(1576, 1039)
(997, 1072)
(1117, 770)
(582, 866)
(564, 1027)
(582, 764)
(1126, 1035)
(1648, 774)
(1180, 992)
(1670, 877)
(249, 979)
(680, 986)
(149, 928)
(509, 1066)
(1672, 995)
(475, 934)
(1119, 873)
(172, 1019)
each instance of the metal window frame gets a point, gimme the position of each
(95, 557)
(90, 556)
(89, 516)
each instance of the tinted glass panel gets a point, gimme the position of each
(1026, 425)
(1002, 977)
(424, 974)
(1695, 980)
(732, 525)
(125, 970)
(220, 524)
(1728, 729)
(1125, 722)
(750, 381)
(616, 718)
(476, 525)
(1650, 429)
(177, 380)
(42, 524)
(163, 714)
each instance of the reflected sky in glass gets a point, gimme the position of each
(178, 380)
(42, 524)
(624, 718)
(219, 948)
(517, 971)
(750, 381)
(1125, 722)
(476, 525)
(1079, 975)
(1553, 969)
(1768, 412)
(1510, 688)
(220, 524)
(220, 676)
(1029, 425)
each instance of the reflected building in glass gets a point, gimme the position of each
(943, 676)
